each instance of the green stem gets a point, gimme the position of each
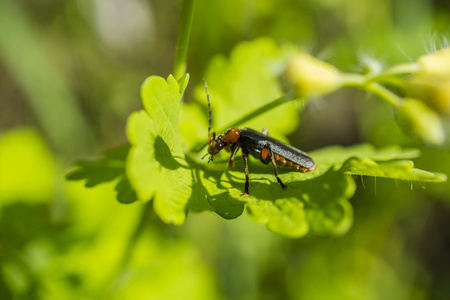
(361, 82)
(259, 111)
(401, 69)
(397, 70)
(184, 33)
(384, 94)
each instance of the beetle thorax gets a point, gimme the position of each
(222, 141)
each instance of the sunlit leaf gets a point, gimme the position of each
(247, 80)
(218, 185)
(108, 168)
(156, 166)
(240, 84)
(336, 156)
(316, 201)
(401, 169)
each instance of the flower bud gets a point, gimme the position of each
(420, 122)
(311, 77)
(436, 64)
(435, 92)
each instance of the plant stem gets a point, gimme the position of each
(406, 68)
(259, 111)
(184, 33)
(397, 70)
(361, 82)
(383, 93)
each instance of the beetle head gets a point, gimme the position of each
(215, 145)
(222, 141)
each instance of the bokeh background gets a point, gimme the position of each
(70, 74)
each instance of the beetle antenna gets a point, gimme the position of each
(209, 110)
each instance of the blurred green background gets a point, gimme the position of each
(70, 74)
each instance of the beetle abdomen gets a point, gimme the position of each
(293, 155)
(282, 161)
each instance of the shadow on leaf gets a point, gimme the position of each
(108, 168)
(163, 155)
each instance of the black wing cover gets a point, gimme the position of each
(254, 141)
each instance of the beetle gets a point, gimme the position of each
(259, 145)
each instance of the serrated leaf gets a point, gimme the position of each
(108, 168)
(285, 216)
(316, 201)
(217, 185)
(156, 165)
(105, 169)
(320, 206)
(336, 156)
(238, 85)
(402, 169)
(245, 81)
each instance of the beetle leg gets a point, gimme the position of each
(234, 150)
(247, 183)
(265, 131)
(274, 163)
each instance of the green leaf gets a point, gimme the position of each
(319, 206)
(156, 165)
(218, 185)
(198, 201)
(336, 156)
(317, 201)
(402, 169)
(108, 168)
(105, 169)
(245, 81)
(125, 193)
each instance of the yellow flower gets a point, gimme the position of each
(434, 91)
(436, 64)
(310, 76)
(421, 122)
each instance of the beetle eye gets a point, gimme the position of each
(220, 144)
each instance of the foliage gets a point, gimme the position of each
(75, 257)
(318, 202)
(374, 224)
(156, 165)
